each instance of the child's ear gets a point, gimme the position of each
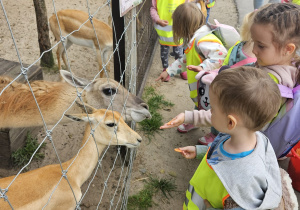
(232, 122)
(290, 49)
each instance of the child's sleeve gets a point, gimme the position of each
(177, 66)
(201, 118)
(214, 54)
(153, 12)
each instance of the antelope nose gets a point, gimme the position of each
(139, 140)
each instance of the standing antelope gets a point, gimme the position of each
(18, 108)
(31, 190)
(70, 20)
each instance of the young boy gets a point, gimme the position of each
(240, 169)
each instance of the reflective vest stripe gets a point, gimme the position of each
(166, 28)
(195, 198)
(165, 9)
(193, 86)
(211, 40)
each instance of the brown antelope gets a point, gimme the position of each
(31, 190)
(18, 108)
(71, 20)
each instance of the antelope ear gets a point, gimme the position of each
(80, 117)
(85, 107)
(78, 82)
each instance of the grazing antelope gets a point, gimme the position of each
(31, 190)
(70, 20)
(18, 108)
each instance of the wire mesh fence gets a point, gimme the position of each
(95, 167)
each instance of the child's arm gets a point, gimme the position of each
(201, 118)
(153, 12)
(191, 152)
(176, 67)
(214, 54)
(155, 17)
(195, 117)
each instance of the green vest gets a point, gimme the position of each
(205, 184)
(165, 9)
(296, 2)
(194, 58)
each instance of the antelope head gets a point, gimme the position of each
(108, 126)
(102, 91)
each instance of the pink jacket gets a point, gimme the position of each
(286, 75)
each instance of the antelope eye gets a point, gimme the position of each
(111, 124)
(109, 91)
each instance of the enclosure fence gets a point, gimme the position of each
(108, 197)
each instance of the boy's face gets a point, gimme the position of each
(219, 119)
(264, 49)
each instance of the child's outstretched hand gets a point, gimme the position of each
(188, 152)
(195, 68)
(163, 76)
(162, 23)
(176, 121)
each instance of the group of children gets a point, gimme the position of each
(239, 168)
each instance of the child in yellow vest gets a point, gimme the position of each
(238, 55)
(240, 169)
(161, 13)
(203, 49)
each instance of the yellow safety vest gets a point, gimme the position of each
(165, 9)
(210, 5)
(205, 185)
(296, 2)
(194, 58)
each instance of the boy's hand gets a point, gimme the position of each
(163, 76)
(176, 121)
(162, 23)
(188, 152)
(195, 68)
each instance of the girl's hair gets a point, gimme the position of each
(187, 19)
(285, 19)
(249, 93)
(246, 25)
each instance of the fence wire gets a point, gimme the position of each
(116, 197)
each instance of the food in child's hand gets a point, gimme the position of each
(177, 150)
(170, 122)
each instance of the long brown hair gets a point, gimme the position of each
(285, 19)
(187, 19)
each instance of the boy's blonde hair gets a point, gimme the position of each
(249, 93)
(187, 19)
(246, 25)
(284, 19)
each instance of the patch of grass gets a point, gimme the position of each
(143, 200)
(21, 156)
(155, 102)
(163, 185)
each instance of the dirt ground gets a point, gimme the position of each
(153, 158)
(158, 158)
